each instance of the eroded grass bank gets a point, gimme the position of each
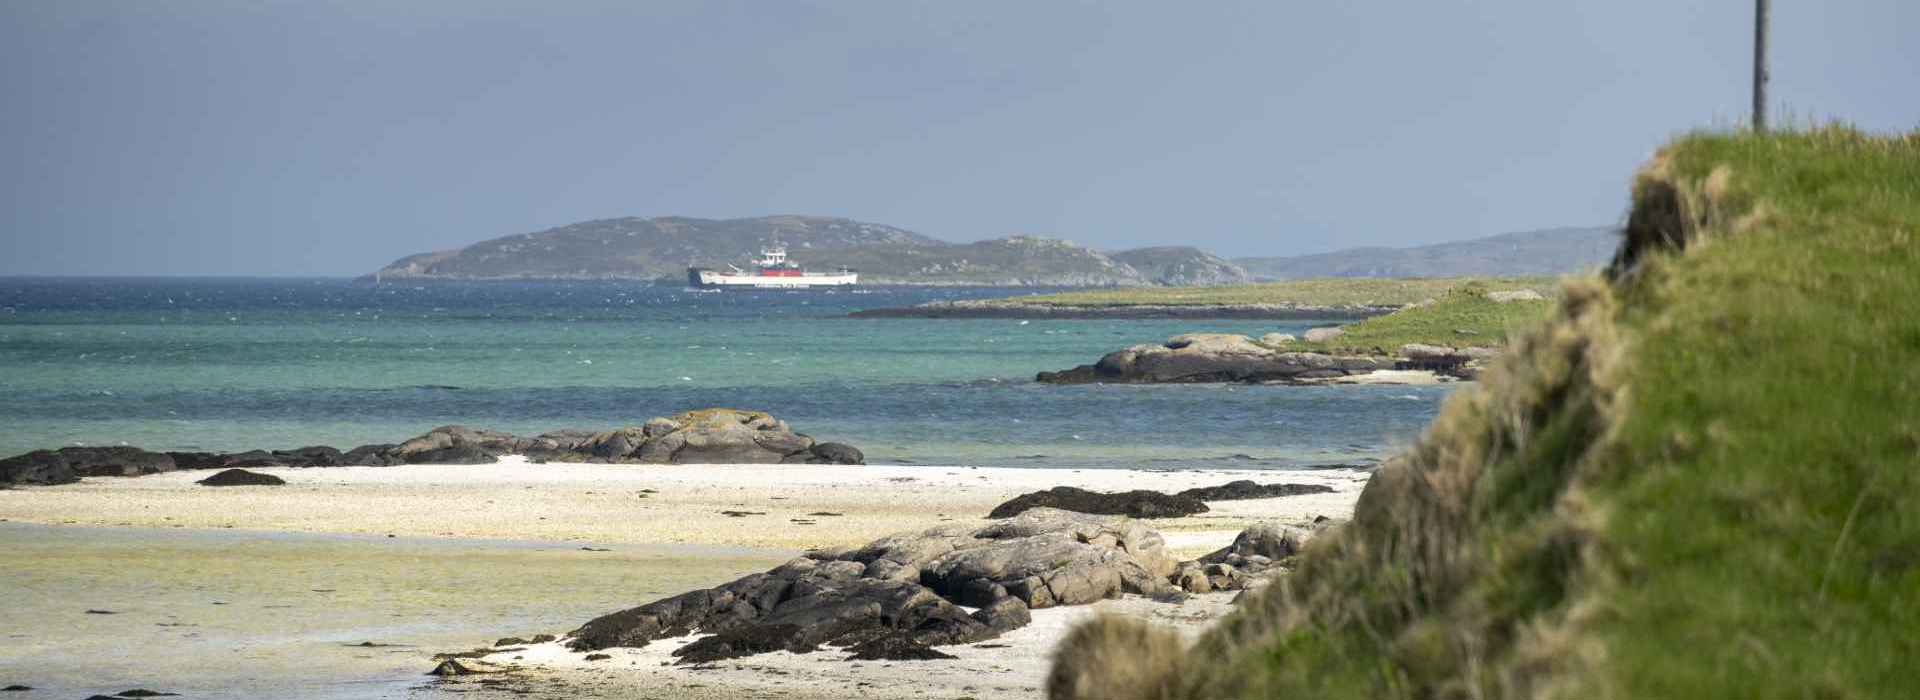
(1701, 478)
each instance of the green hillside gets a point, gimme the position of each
(1700, 478)
(662, 248)
(1331, 291)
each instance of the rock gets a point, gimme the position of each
(313, 456)
(67, 464)
(836, 453)
(1246, 489)
(1211, 357)
(461, 667)
(16, 689)
(1192, 579)
(241, 477)
(1138, 504)
(541, 639)
(454, 444)
(370, 456)
(1271, 540)
(509, 641)
(1515, 295)
(859, 598)
(457, 454)
(144, 693)
(1004, 615)
(895, 647)
(1321, 335)
(707, 436)
(598, 657)
(1277, 339)
(198, 460)
(1418, 351)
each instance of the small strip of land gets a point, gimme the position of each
(1336, 299)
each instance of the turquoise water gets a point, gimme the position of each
(239, 364)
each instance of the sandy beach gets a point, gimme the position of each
(445, 558)
(786, 507)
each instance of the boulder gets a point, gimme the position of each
(1212, 357)
(1138, 504)
(1245, 489)
(855, 598)
(370, 456)
(836, 453)
(67, 464)
(241, 477)
(1321, 335)
(198, 460)
(1270, 540)
(1420, 351)
(1277, 339)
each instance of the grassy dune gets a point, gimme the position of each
(1461, 317)
(1333, 291)
(1700, 478)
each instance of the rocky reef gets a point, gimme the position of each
(709, 436)
(1197, 358)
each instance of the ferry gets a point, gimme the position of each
(772, 271)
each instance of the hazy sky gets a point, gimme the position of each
(325, 138)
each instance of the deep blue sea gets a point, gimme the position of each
(232, 364)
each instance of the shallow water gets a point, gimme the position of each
(242, 364)
(228, 614)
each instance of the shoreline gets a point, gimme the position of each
(514, 499)
(443, 558)
(1002, 309)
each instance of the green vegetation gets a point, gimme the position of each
(1461, 317)
(1700, 478)
(1334, 291)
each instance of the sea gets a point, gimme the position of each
(229, 364)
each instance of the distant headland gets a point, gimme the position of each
(662, 249)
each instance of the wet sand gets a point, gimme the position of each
(219, 614)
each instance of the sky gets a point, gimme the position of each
(329, 138)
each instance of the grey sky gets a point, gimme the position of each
(320, 138)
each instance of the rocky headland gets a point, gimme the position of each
(1197, 358)
(709, 436)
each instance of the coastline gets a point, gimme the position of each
(514, 499)
(1006, 309)
(619, 535)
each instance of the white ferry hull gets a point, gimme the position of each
(713, 279)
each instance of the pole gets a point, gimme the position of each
(1760, 75)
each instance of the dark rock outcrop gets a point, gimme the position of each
(901, 594)
(1212, 357)
(241, 477)
(67, 464)
(710, 436)
(1245, 489)
(1138, 504)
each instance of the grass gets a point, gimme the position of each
(1699, 478)
(1332, 291)
(1463, 316)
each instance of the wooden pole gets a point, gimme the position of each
(1760, 75)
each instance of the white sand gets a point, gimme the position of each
(1013, 666)
(607, 504)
